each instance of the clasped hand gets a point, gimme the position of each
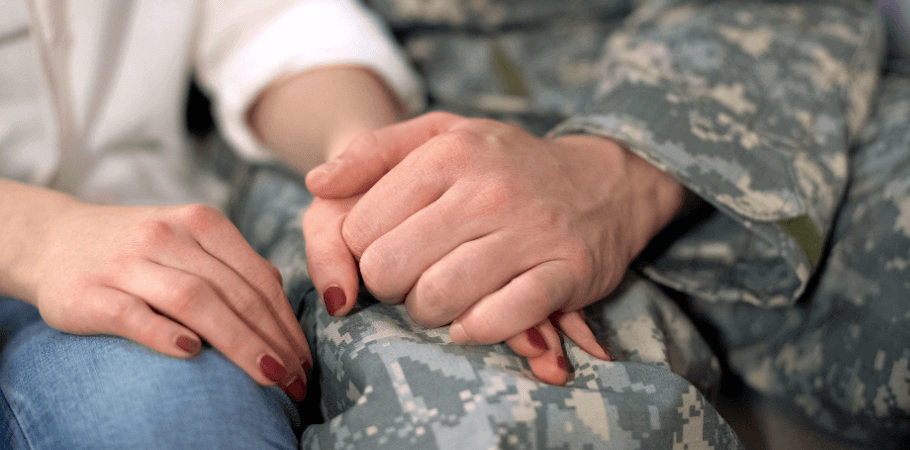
(481, 225)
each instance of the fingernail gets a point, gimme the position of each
(334, 299)
(271, 368)
(561, 362)
(306, 366)
(457, 333)
(188, 344)
(296, 390)
(537, 339)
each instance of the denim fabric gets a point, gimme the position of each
(62, 391)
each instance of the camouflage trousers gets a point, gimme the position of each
(384, 382)
(838, 360)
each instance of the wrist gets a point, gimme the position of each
(309, 117)
(33, 213)
(653, 197)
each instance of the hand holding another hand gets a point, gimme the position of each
(482, 225)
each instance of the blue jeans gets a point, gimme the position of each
(62, 391)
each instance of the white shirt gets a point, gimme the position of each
(92, 92)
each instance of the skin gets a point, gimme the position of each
(161, 276)
(352, 101)
(164, 276)
(168, 275)
(480, 225)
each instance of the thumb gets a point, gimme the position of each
(372, 154)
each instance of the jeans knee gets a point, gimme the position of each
(70, 391)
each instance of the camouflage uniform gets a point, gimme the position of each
(776, 114)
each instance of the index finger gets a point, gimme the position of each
(219, 238)
(373, 154)
(329, 262)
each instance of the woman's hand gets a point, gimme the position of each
(483, 225)
(168, 277)
(334, 273)
(480, 224)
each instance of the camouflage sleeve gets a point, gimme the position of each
(752, 106)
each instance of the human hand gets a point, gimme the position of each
(483, 225)
(166, 277)
(334, 273)
(586, 250)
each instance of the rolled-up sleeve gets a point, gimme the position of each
(753, 106)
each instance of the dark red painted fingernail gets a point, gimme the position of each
(561, 362)
(296, 390)
(188, 344)
(537, 339)
(306, 365)
(334, 299)
(271, 368)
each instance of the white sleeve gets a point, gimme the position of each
(244, 45)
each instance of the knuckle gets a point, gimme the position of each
(145, 332)
(459, 146)
(436, 302)
(276, 273)
(495, 196)
(376, 269)
(117, 313)
(199, 217)
(544, 293)
(250, 309)
(441, 120)
(153, 233)
(354, 233)
(317, 255)
(187, 295)
(577, 258)
(270, 289)
(118, 317)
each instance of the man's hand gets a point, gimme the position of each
(483, 225)
(167, 277)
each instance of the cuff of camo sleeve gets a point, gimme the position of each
(726, 257)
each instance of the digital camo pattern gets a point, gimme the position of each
(387, 383)
(751, 105)
(754, 106)
(840, 357)
(491, 15)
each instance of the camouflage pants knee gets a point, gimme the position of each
(384, 382)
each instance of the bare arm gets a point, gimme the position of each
(309, 118)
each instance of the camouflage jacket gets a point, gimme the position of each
(751, 105)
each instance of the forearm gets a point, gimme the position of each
(28, 213)
(308, 118)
